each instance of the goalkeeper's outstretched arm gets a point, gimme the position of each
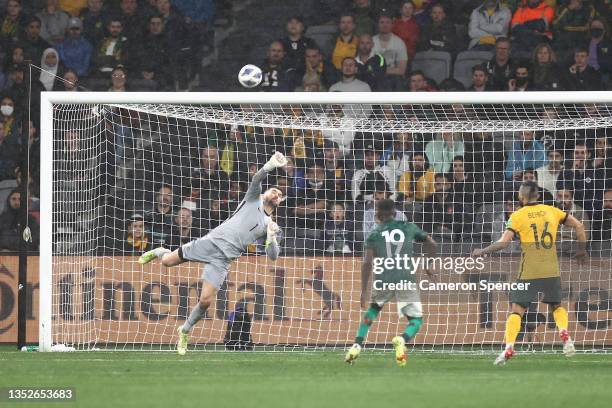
(272, 247)
(277, 160)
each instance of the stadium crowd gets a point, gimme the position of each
(459, 187)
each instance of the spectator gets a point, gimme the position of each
(479, 79)
(316, 66)
(9, 153)
(440, 35)
(365, 17)
(152, 58)
(295, 44)
(210, 181)
(366, 177)
(32, 43)
(531, 175)
(347, 42)
(310, 204)
(580, 177)
(198, 18)
(73, 7)
(339, 232)
(521, 81)
(441, 151)
(51, 70)
(349, 82)
(526, 153)
(600, 47)
(159, 216)
(566, 236)
(132, 19)
(545, 73)
(20, 92)
(417, 183)
(488, 22)
(393, 49)
(238, 148)
(407, 29)
(396, 159)
(118, 80)
(571, 25)
(94, 18)
(336, 170)
(547, 175)
(11, 228)
(581, 76)
(112, 51)
(178, 38)
(136, 239)
(602, 225)
(276, 76)
(372, 66)
(70, 82)
(463, 195)
(183, 230)
(486, 159)
(75, 51)
(418, 83)
(11, 26)
(500, 69)
(602, 155)
(369, 210)
(531, 25)
(438, 209)
(54, 22)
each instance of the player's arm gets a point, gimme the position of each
(500, 244)
(277, 160)
(272, 246)
(366, 273)
(578, 226)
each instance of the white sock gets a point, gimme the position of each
(159, 252)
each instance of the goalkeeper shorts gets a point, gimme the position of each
(408, 301)
(216, 264)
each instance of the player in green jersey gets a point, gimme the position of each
(388, 250)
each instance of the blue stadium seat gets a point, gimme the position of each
(435, 64)
(464, 63)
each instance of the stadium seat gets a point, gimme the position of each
(324, 37)
(466, 61)
(435, 64)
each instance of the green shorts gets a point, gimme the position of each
(549, 287)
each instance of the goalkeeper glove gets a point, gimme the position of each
(272, 231)
(277, 160)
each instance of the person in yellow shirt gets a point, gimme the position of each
(418, 183)
(73, 7)
(535, 225)
(346, 42)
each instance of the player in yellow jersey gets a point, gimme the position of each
(535, 225)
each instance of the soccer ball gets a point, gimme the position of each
(250, 76)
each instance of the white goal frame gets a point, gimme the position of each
(46, 137)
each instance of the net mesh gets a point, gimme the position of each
(131, 177)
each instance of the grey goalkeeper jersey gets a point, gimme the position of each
(248, 224)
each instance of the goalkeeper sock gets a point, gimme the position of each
(197, 313)
(561, 317)
(513, 327)
(368, 319)
(413, 328)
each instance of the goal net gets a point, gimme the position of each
(122, 174)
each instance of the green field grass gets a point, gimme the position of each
(311, 379)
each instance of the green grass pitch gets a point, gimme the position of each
(311, 379)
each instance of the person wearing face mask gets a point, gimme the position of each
(531, 25)
(11, 126)
(488, 22)
(571, 27)
(521, 80)
(600, 47)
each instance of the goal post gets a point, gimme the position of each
(106, 158)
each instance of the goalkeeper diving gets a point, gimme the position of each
(251, 221)
(535, 225)
(390, 238)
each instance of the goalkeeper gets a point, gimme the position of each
(390, 239)
(251, 220)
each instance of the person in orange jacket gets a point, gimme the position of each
(531, 25)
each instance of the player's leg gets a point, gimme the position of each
(562, 320)
(413, 311)
(364, 326)
(208, 295)
(513, 327)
